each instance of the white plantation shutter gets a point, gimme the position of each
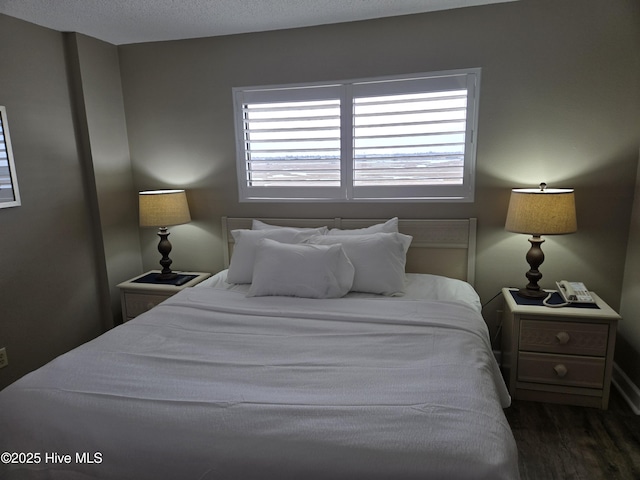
(289, 142)
(5, 175)
(413, 137)
(9, 195)
(395, 138)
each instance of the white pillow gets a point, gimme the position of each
(390, 226)
(246, 242)
(379, 260)
(309, 271)
(260, 225)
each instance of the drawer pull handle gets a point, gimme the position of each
(560, 370)
(563, 338)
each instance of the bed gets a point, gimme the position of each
(223, 381)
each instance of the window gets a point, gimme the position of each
(9, 195)
(393, 138)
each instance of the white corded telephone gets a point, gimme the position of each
(574, 292)
(571, 292)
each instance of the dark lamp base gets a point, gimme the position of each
(166, 276)
(164, 247)
(535, 257)
(529, 293)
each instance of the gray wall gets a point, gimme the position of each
(102, 127)
(558, 104)
(76, 235)
(628, 348)
(49, 277)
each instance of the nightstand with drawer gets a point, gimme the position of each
(558, 355)
(142, 293)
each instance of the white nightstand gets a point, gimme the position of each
(138, 296)
(558, 355)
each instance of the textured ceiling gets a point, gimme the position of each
(134, 21)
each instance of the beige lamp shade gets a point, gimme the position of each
(542, 211)
(162, 208)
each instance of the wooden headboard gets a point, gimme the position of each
(440, 246)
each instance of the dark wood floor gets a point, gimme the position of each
(574, 443)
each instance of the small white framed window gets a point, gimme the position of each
(401, 138)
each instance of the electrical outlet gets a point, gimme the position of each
(4, 360)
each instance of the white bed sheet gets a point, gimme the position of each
(418, 286)
(213, 385)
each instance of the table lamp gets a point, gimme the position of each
(163, 208)
(543, 211)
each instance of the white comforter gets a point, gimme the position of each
(214, 385)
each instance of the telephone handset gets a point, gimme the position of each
(571, 292)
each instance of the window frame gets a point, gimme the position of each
(347, 91)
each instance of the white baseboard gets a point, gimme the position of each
(629, 390)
